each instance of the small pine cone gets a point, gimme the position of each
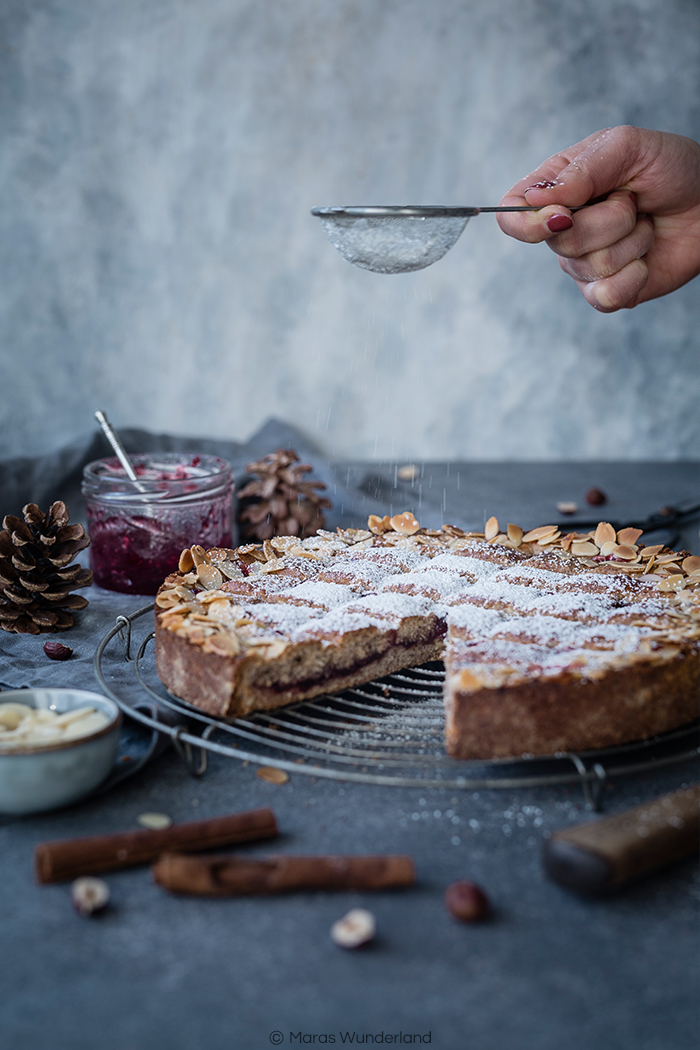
(279, 501)
(36, 576)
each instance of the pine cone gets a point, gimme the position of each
(281, 503)
(36, 576)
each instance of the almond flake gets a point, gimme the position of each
(223, 644)
(605, 533)
(199, 555)
(607, 548)
(667, 559)
(672, 583)
(515, 534)
(583, 548)
(186, 561)
(649, 552)
(624, 552)
(273, 565)
(405, 524)
(272, 775)
(552, 538)
(167, 598)
(209, 576)
(537, 534)
(491, 528)
(219, 608)
(154, 821)
(691, 565)
(628, 537)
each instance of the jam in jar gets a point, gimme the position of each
(138, 529)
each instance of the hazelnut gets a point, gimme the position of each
(355, 929)
(467, 902)
(596, 498)
(90, 896)
(57, 651)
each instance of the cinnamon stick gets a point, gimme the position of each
(222, 876)
(69, 858)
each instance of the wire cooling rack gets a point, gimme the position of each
(387, 732)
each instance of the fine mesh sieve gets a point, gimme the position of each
(397, 239)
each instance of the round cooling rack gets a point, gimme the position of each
(387, 732)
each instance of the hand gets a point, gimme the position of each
(643, 241)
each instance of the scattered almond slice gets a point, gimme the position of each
(649, 552)
(491, 528)
(605, 533)
(567, 507)
(272, 775)
(537, 534)
(154, 821)
(408, 472)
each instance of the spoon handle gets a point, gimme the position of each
(116, 444)
(529, 207)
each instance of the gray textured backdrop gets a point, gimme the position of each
(157, 258)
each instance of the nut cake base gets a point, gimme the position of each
(551, 643)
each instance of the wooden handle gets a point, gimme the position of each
(604, 855)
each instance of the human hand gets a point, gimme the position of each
(643, 241)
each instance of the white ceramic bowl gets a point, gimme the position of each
(35, 777)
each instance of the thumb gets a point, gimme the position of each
(605, 161)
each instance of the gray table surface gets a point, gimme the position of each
(550, 970)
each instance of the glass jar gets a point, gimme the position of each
(138, 529)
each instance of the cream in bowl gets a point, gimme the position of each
(56, 745)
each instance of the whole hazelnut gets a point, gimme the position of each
(467, 902)
(90, 895)
(57, 651)
(596, 498)
(355, 929)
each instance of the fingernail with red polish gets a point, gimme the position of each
(546, 185)
(557, 223)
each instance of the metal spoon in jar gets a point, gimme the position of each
(398, 239)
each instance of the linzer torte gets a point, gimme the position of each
(551, 642)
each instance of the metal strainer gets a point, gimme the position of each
(397, 239)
